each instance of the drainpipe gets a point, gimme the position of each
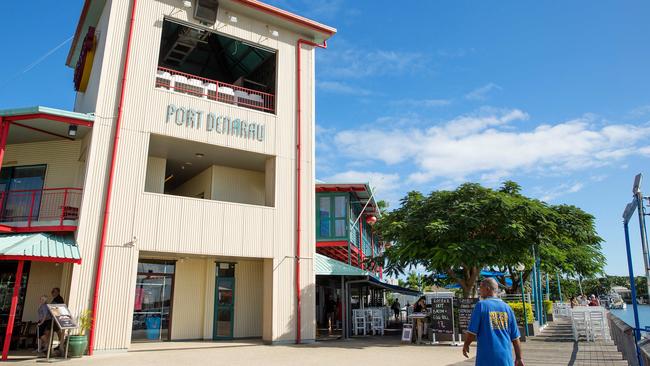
(109, 190)
(298, 172)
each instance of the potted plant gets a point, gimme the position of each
(78, 343)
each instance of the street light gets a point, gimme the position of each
(520, 268)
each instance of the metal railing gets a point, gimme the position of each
(214, 90)
(49, 206)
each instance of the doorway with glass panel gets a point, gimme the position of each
(224, 301)
(154, 291)
(21, 191)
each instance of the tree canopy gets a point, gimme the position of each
(460, 232)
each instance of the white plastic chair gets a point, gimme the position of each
(377, 321)
(598, 325)
(211, 91)
(580, 325)
(359, 321)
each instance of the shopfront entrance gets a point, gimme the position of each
(7, 281)
(224, 301)
(154, 291)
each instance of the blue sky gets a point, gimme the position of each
(553, 95)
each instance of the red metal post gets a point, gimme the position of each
(4, 132)
(12, 311)
(361, 242)
(31, 209)
(65, 201)
(298, 172)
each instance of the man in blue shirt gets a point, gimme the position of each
(494, 325)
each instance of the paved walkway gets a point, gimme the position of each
(555, 346)
(376, 351)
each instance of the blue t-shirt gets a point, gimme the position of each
(494, 324)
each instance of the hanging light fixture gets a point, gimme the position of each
(72, 130)
(371, 219)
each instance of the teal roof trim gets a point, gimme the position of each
(326, 266)
(46, 110)
(43, 245)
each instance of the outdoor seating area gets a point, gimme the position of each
(589, 323)
(214, 90)
(370, 320)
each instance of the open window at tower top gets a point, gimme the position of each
(211, 65)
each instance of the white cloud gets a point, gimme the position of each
(426, 103)
(354, 62)
(380, 182)
(549, 195)
(342, 88)
(481, 93)
(639, 112)
(490, 144)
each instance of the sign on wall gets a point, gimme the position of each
(225, 125)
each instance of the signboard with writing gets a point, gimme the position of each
(442, 315)
(62, 316)
(465, 308)
(407, 333)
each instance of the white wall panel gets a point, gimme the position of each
(180, 225)
(188, 306)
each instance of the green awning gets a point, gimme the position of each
(43, 247)
(326, 266)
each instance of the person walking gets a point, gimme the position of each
(494, 326)
(397, 309)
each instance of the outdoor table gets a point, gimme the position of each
(419, 322)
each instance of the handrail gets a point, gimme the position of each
(266, 102)
(25, 206)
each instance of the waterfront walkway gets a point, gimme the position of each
(555, 346)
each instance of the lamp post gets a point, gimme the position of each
(559, 286)
(629, 210)
(520, 268)
(638, 197)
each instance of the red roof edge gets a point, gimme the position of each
(266, 8)
(82, 18)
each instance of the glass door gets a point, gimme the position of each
(154, 291)
(224, 301)
(20, 186)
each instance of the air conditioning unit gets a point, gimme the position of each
(206, 11)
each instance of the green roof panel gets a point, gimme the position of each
(42, 245)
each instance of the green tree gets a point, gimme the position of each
(460, 232)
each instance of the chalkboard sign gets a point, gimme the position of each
(442, 315)
(465, 308)
(61, 315)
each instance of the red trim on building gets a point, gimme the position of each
(12, 311)
(265, 8)
(40, 229)
(51, 117)
(41, 131)
(38, 259)
(109, 189)
(82, 19)
(322, 244)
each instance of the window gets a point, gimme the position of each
(153, 300)
(211, 65)
(332, 216)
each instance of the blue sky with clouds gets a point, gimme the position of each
(553, 95)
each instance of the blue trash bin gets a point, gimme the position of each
(153, 327)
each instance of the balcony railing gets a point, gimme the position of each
(40, 208)
(214, 90)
